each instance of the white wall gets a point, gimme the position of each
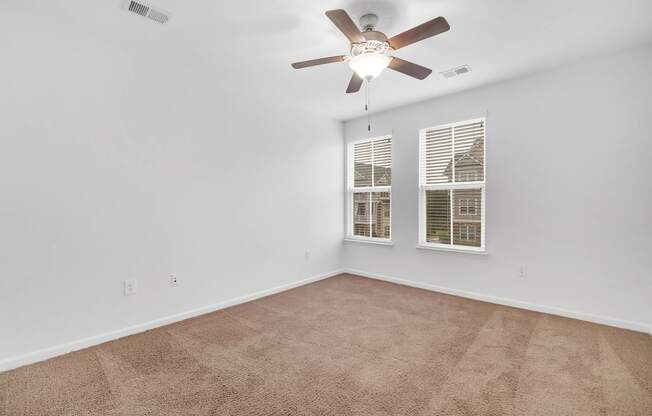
(568, 190)
(115, 165)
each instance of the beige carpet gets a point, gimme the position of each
(349, 346)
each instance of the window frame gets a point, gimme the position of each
(350, 190)
(452, 186)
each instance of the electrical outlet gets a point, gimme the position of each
(174, 281)
(130, 287)
(522, 271)
(307, 254)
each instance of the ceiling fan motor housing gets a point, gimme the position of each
(370, 47)
(375, 35)
(370, 57)
(375, 41)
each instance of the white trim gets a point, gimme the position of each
(458, 248)
(454, 124)
(370, 139)
(369, 240)
(351, 189)
(452, 186)
(446, 186)
(46, 353)
(366, 189)
(552, 310)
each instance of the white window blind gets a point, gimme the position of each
(452, 186)
(369, 191)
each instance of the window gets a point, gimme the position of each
(468, 206)
(452, 186)
(467, 232)
(369, 176)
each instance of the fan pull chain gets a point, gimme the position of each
(366, 105)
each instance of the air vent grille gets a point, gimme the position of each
(157, 16)
(142, 9)
(138, 8)
(460, 70)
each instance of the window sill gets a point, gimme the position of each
(470, 250)
(369, 241)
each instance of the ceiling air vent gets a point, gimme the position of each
(145, 10)
(460, 70)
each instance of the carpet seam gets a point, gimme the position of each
(466, 350)
(602, 380)
(539, 320)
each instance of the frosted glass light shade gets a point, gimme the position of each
(369, 65)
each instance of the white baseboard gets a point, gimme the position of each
(599, 319)
(44, 354)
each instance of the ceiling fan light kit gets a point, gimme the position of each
(371, 50)
(369, 65)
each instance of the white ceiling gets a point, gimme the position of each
(246, 46)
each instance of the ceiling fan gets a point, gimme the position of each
(371, 50)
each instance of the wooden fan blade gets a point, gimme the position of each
(320, 61)
(421, 32)
(409, 68)
(346, 25)
(354, 84)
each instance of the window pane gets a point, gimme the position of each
(382, 151)
(469, 152)
(448, 155)
(362, 164)
(438, 156)
(467, 217)
(372, 168)
(438, 217)
(380, 219)
(361, 214)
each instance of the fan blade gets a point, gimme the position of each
(421, 32)
(354, 84)
(409, 68)
(346, 25)
(320, 61)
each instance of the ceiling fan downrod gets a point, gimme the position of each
(368, 22)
